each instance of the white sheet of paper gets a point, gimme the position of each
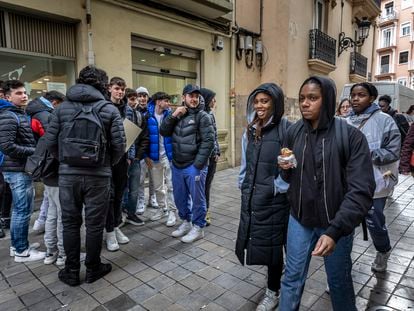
(131, 133)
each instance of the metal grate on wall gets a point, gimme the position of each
(2, 30)
(36, 35)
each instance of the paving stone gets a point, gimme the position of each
(179, 273)
(19, 278)
(209, 273)
(87, 303)
(35, 296)
(181, 259)
(176, 307)
(322, 305)
(135, 267)
(12, 305)
(193, 282)
(27, 287)
(244, 289)
(374, 295)
(161, 282)
(141, 293)
(95, 286)
(120, 303)
(231, 301)
(176, 292)
(12, 269)
(400, 303)
(58, 287)
(117, 274)
(227, 281)
(147, 275)
(157, 302)
(165, 266)
(127, 284)
(106, 294)
(49, 304)
(405, 292)
(193, 302)
(195, 265)
(308, 299)
(44, 270)
(6, 295)
(211, 291)
(212, 306)
(407, 281)
(71, 295)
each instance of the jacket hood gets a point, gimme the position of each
(327, 113)
(369, 110)
(37, 105)
(5, 104)
(208, 95)
(278, 100)
(84, 93)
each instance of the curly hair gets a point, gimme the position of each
(95, 77)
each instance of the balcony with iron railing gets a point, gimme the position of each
(358, 64)
(322, 52)
(387, 18)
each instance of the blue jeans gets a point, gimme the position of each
(376, 225)
(300, 244)
(189, 193)
(21, 186)
(134, 175)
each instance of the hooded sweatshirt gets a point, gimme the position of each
(39, 110)
(208, 96)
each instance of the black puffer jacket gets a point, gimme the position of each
(39, 111)
(264, 215)
(324, 192)
(87, 95)
(16, 137)
(192, 136)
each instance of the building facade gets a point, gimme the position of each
(394, 50)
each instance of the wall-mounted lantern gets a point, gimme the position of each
(363, 32)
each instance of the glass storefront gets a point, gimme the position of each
(40, 74)
(161, 67)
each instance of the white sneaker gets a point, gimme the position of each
(160, 213)
(152, 202)
(120, 236)
(29, 255)
(141, 208)
(111, 242)
(38, 226)
(172, 219)
(269, 302)
(60, 261)
(183, 229)
(380, 262)
(196, 233)
(50, 258)
(31, 246)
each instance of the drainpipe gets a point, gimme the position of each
(91, 54)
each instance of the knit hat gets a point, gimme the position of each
(142, 89)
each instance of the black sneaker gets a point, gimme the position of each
(69, 276)
(134, 220)
(94, 275)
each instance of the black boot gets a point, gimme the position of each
(69, 276)
(93, 275)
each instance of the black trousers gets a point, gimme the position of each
(119, 184)
(274, 274)
(209, 178)
(6, 198)
(75, 192)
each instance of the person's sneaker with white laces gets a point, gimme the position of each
(120, 236)
(172, 219)
(111, 242)
(134, 220)
(182, 230)
(29, 255)
(50, 258)
(196, 233)
(34, 245)
(60, 261)
(140, 208)
(152, 202)
(269, 301)
(160, 213)
(38, 226)
(380, 262)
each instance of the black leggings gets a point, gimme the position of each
(5, 198)
(209, 179)
(274, 274)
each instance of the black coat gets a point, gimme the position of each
(16, 137)
(87, 95)
(37, 110)
(192, 137)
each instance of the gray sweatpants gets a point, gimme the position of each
(53, 226)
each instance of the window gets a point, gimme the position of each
(387, 37)
(403, 59)
(319, 13)
(402, 81)
(385, 64)
(389, 8)
(406, 4)
(405, 29)
(161, 66)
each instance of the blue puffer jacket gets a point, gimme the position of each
(153, 128)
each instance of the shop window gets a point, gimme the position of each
(40, 74)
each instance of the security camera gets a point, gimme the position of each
(218, 43)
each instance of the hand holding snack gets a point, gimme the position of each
(286, 159)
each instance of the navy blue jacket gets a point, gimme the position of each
(154, 148)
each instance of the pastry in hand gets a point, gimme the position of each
(287, 156)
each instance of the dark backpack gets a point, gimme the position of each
(41, 164)
(83, 139)
(18, 124)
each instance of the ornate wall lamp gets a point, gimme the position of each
(363, 32)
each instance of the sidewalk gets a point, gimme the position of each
(157, 272)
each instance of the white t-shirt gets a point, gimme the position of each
(159, 118)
